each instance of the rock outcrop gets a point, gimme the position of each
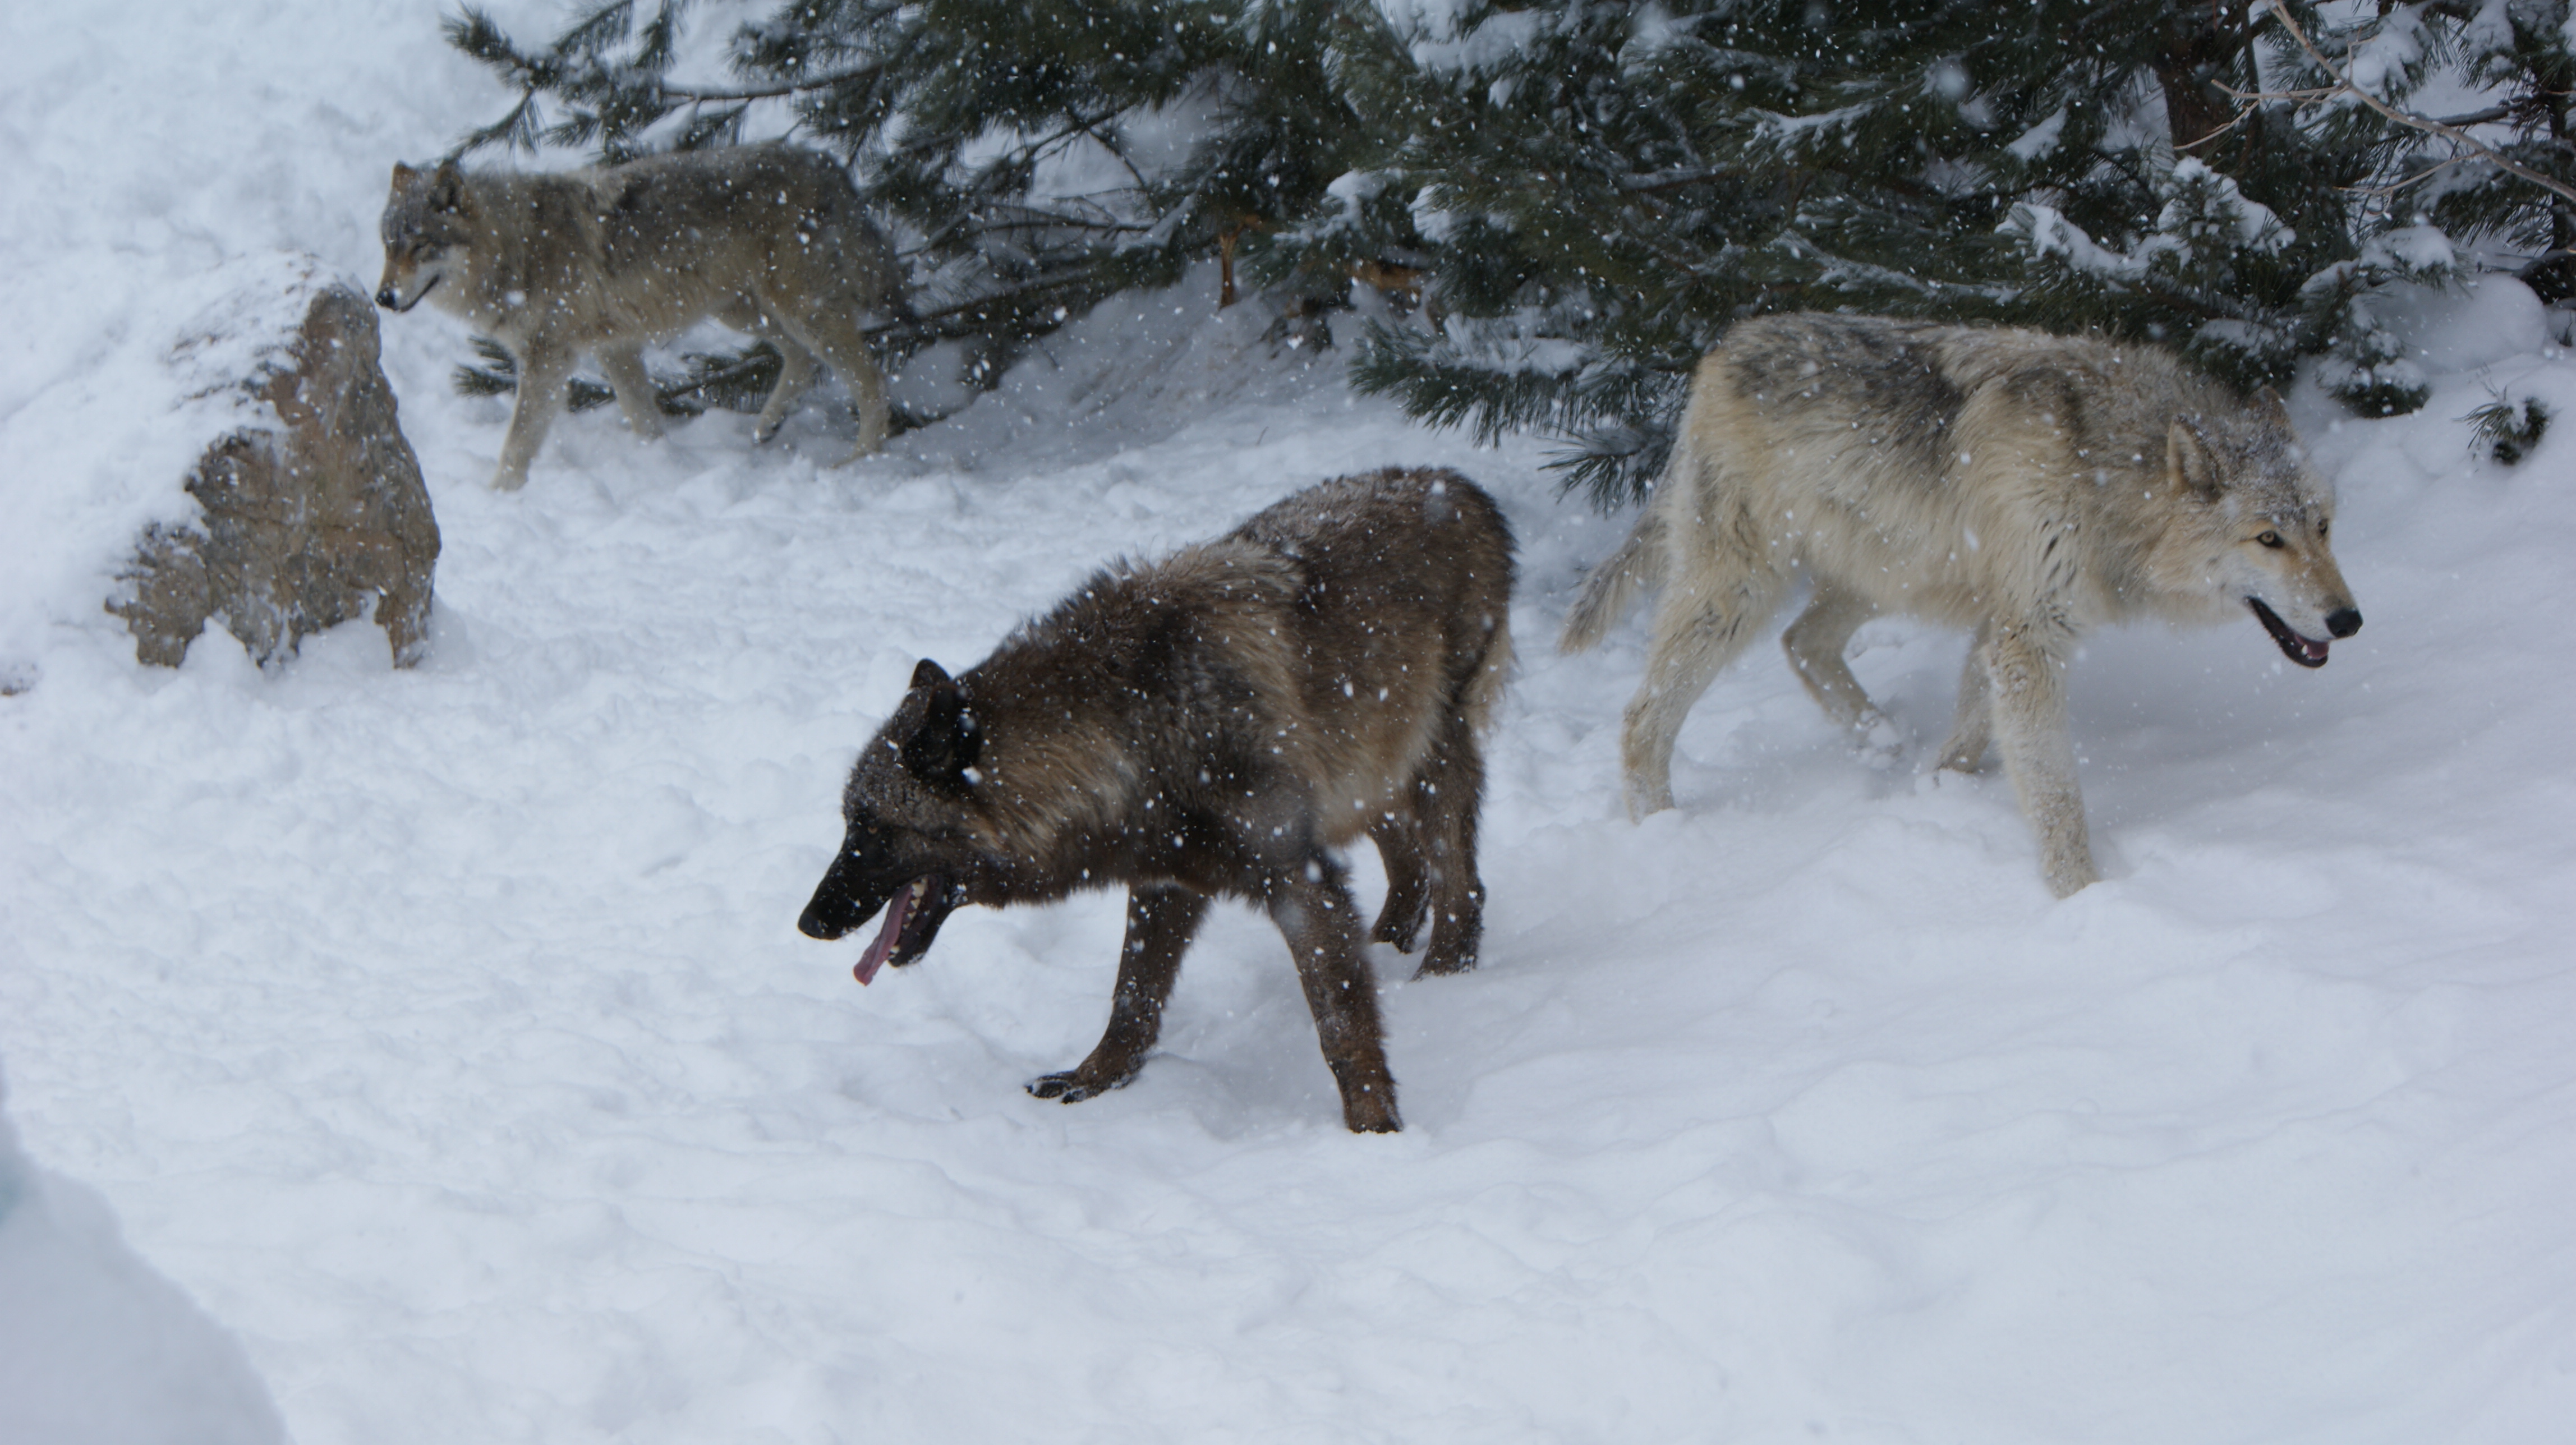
(313, 508)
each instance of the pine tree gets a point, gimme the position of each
(2519, 53)
(1601, 188)
(1034, 156)
(1598, 188)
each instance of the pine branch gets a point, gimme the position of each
(2447, 130)
(780, 91)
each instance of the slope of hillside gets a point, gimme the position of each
(445, 1034)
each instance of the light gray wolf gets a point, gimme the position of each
(768, 239)
(2028, 486)
(1216, 723)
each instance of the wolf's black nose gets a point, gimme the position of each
(2343, 622)
(385, 298)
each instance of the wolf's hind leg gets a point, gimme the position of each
(1697, 632)
(1408, 896)
(636, 398)
(1160, 924)
(1816, 643)
(1312, 907)
(1448, 793)
(1972, 727)
(842, 346)
(2029, 686)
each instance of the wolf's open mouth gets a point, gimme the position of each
(912, 918)
(2306, 652)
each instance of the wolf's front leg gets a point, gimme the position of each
(1160, 924)
(795, 378)
(2028, 690)
(544, 372)
(636, 396)
(1316, 916)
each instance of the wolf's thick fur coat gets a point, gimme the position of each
(1218, 722)
(2027, 486)
(767, 239)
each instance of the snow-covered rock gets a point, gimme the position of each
(311, 507)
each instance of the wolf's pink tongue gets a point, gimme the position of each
(898, 910)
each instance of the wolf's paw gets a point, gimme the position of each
(1443, 961)
(2070, 876)
(1071, 1087)
(1400, 923)
(1877, 740)
(1647, 799)
(1963, 753)
(1371, 1114)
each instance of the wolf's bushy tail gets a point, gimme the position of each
(1614, 582)
(1483, 692)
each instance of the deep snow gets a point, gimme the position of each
(444, 1035)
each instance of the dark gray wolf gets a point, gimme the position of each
(1214, 723)
(767, 239)
(2028, 486)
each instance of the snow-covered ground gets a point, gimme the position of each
(445, 1036)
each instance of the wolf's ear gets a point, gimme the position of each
(2188, 464)
(2269, 406)
(949, 740)
(404, 175)
(447, 188)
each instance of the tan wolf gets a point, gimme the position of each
(768, 239)
(2028, 486)
(1218, 722)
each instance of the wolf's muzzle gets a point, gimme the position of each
(391, 299)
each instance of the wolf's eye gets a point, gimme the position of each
(2321, 530)
(2268, 539)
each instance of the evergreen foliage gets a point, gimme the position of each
(1033, 156)
(1589, 192)
(1602, 188)
(2508, 432)
(2519, 53)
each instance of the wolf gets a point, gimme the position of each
(1215, 723)
(2027, 486)
(768, 239)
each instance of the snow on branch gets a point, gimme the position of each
(2347, 88)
